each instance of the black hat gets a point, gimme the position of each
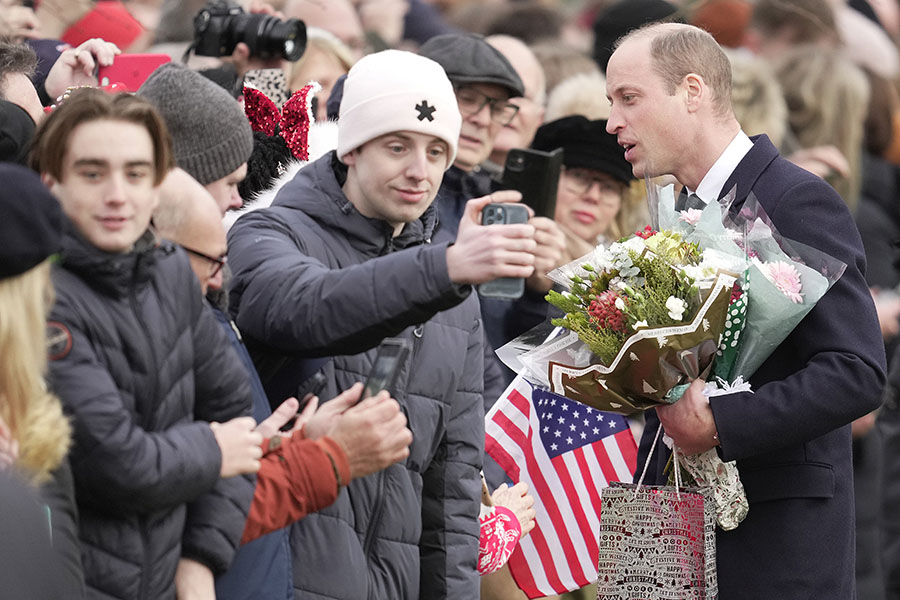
(31, 227)
(623, 16)
(585, 144)
(16, 132)
(467, 58)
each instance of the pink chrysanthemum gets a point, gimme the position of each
(691, 216)
(786, 278)
(604, 312)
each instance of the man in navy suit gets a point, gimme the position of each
(670, 88)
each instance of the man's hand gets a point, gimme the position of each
(689, 422)
(822, 161)
(9, 447)
(373, 433)
(325, 418)
(194, 581)
(240, 445)
(75, 66)
(518, 500)
(483, 253)
(551, 247)
(56, 16)
(286, 411)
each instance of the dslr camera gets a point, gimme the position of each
(222, 24)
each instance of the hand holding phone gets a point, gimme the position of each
(508, 213)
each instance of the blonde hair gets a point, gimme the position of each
(34, 415)
(581, 94)
(326, 43)
(756, 97)
(827, 98)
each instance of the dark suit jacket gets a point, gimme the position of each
(791, 437)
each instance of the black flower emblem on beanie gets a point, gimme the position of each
(425, 111)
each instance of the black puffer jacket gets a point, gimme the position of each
(313, 277)
(139, 362)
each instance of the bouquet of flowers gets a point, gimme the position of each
(707, 293)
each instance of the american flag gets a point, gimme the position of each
(567, 453)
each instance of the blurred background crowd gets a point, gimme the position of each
(820, 77)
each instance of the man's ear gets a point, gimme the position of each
(48, 180)
(349, 159)
(696, 91)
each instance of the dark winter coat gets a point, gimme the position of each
(791, 438)
(313, 277)
(144, 369)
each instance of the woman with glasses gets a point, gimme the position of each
(593, 184)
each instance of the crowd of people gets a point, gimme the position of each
(199, 268)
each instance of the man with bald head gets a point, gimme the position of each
(670, 89)
(519, 132)
(326, 448)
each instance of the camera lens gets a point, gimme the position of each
(268, 37)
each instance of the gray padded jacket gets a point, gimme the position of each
(313, 277)
(141, 361)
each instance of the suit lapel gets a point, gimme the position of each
(750, 169)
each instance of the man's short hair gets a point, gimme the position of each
(15, 58)
(678, 50)
(92, 104)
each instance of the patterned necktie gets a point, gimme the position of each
(687, 201)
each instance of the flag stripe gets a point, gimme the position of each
(523, 431)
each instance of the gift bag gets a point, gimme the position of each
(656, 542)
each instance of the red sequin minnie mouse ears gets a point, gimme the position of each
(292, 122)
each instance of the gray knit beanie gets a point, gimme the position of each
(210, 133)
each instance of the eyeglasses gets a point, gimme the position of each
(215, 264)
(580, 181)
(471, 102)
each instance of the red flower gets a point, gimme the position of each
(605, 314)
(646, 232)
(736, 293)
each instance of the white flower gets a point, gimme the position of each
(620, 304)
(676, 307)
(640, 324)
(634, 243)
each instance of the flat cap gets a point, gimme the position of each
(31, 227)
(585, 144)
(467, 58)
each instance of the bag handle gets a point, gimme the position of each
(674, 465)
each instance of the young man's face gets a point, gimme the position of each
(107, 185)
(647, 120)
(396, 176)
(225, 190)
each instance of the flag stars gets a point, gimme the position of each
(612, 424)
(596, 431)
(586, 422)
(565, 407)
(569, 441)
(553, 402)
(553, 447)
(546, 429)
(583, 435)
(599, 417)
(561, 420)
(572, 427)
(557, 433)
(575, 414)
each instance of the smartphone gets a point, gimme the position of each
(536, 175)
(391, 356)
(505, 287)
(131, 70)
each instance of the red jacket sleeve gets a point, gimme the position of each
(297, 477)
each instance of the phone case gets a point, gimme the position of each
(536, 175)
(505, 287)
(388, 363)
(131, 70)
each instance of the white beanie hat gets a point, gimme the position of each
(393, 91)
